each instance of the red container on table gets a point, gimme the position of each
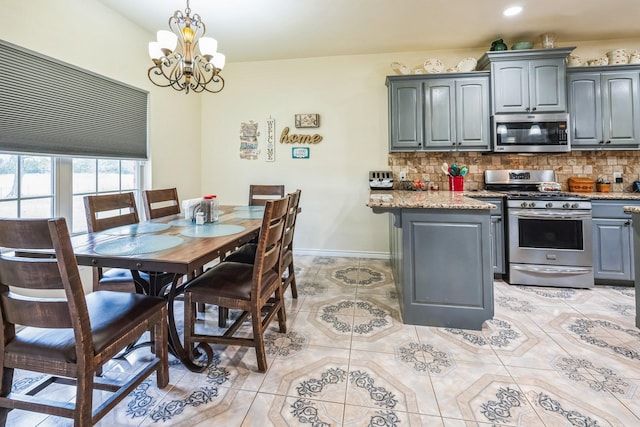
(456, 183)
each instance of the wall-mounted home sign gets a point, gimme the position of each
(307, 120)
(286, 138)
(300, 152)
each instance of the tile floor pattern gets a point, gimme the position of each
(550, 357)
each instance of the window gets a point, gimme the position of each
(42, 186)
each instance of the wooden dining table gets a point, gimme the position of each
(172, 244)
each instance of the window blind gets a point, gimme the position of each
(50, 107)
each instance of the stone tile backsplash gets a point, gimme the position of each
(583, 164)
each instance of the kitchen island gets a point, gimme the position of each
(440, 244)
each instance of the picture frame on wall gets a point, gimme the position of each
(307, 120)
(300, 152)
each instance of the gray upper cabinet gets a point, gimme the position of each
(604, 107)
(437, 113)
(534, 86)
(527, 81)
(405, 114)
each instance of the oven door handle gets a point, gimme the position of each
(528, 214)
(554, 270)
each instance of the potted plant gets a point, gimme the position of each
(603, 185)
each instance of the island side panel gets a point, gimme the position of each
(447, 278)
(395, 249)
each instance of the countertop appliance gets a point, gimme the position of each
(549, 233)
(381, 180)
(531, 133)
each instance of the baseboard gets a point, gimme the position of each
(343, 254)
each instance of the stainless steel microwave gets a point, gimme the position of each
(531, 133)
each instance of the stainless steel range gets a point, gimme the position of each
(549, 232)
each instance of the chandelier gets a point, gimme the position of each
(194, 64)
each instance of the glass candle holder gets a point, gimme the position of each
(548, 40)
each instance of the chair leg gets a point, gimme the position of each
(292, 281)
(5, 388)
(282, 314)
(159, 333)
(84, 400)
(258, 339)
(223, 316)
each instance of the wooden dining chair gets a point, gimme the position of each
(256, 289)
(247, 253)
(160, 203)
(105, 211)
(259, 194)
(68, 339)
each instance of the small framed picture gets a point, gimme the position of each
(300, 152)
(307, 120)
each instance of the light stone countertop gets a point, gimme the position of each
(610, 196)
(465, 199)
(428, 200)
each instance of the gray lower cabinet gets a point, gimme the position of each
(497, 234)
(612, 241)
(604, 108)
(444, 276)
(437, 113)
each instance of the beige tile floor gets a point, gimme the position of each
(550, 357)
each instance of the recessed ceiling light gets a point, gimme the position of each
(512, 11)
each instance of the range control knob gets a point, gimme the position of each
(566, 205)
(549, 205)
(532, 204)
(523, 205)
(575, 206)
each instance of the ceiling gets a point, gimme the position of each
(257, 30)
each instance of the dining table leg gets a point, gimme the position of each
(156, 288)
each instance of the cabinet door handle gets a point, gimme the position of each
(527, 109)
(628, 223)
(534, 109)
(608, 142)
(601, 142)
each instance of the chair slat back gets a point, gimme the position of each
(22, 266)
(106, 211)
(160, 203)
(292, 214)
(260, 194)
(270, 241)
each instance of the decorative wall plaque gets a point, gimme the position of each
(307, 120)
(249, 140)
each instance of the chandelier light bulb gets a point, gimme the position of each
(155, 51)
(167, 40)
(218, 60)
(208, 46)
